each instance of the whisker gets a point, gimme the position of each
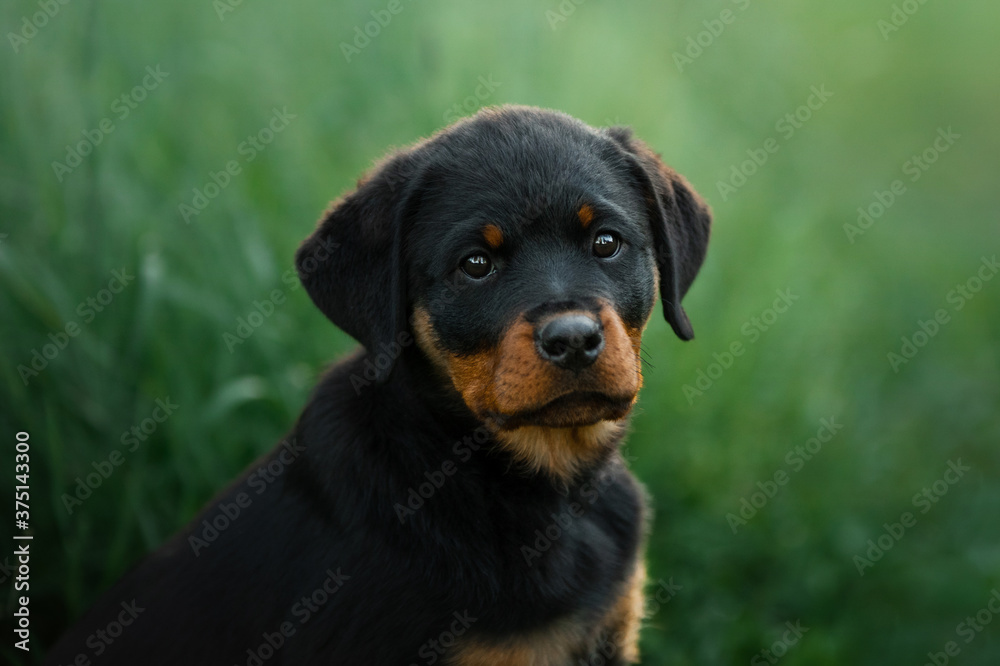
(645, 357)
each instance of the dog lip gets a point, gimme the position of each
(573, 396)
(570, 410)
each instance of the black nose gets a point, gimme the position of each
(571, 341)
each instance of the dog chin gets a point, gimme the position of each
(573, 410)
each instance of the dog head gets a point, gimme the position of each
(523, 251)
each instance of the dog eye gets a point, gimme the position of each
(606, 245)
(477, 266)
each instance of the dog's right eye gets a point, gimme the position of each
(477, 266)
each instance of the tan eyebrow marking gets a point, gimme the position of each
(586, 215)
(493, 235)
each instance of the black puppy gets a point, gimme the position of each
(452, 493)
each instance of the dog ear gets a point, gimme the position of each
(681, 223)
(351, 264)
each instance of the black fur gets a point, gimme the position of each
(381, 425)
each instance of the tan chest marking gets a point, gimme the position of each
(552, 647)
(622, 623)
(615, 635)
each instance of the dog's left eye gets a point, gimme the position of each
(477, 266)
(606, 245)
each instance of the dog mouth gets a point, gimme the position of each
(572, 410)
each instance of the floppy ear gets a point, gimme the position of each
(350, 265)
(680, 221)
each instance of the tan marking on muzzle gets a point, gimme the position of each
(511, 379)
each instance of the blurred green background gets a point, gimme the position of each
(224, 73)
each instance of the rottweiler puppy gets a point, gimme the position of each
(453, 491)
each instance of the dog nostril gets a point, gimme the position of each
(571, 341)
(556, 347)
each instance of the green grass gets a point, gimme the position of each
(162, 336)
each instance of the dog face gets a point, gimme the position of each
(531, 278)
(523, 250)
